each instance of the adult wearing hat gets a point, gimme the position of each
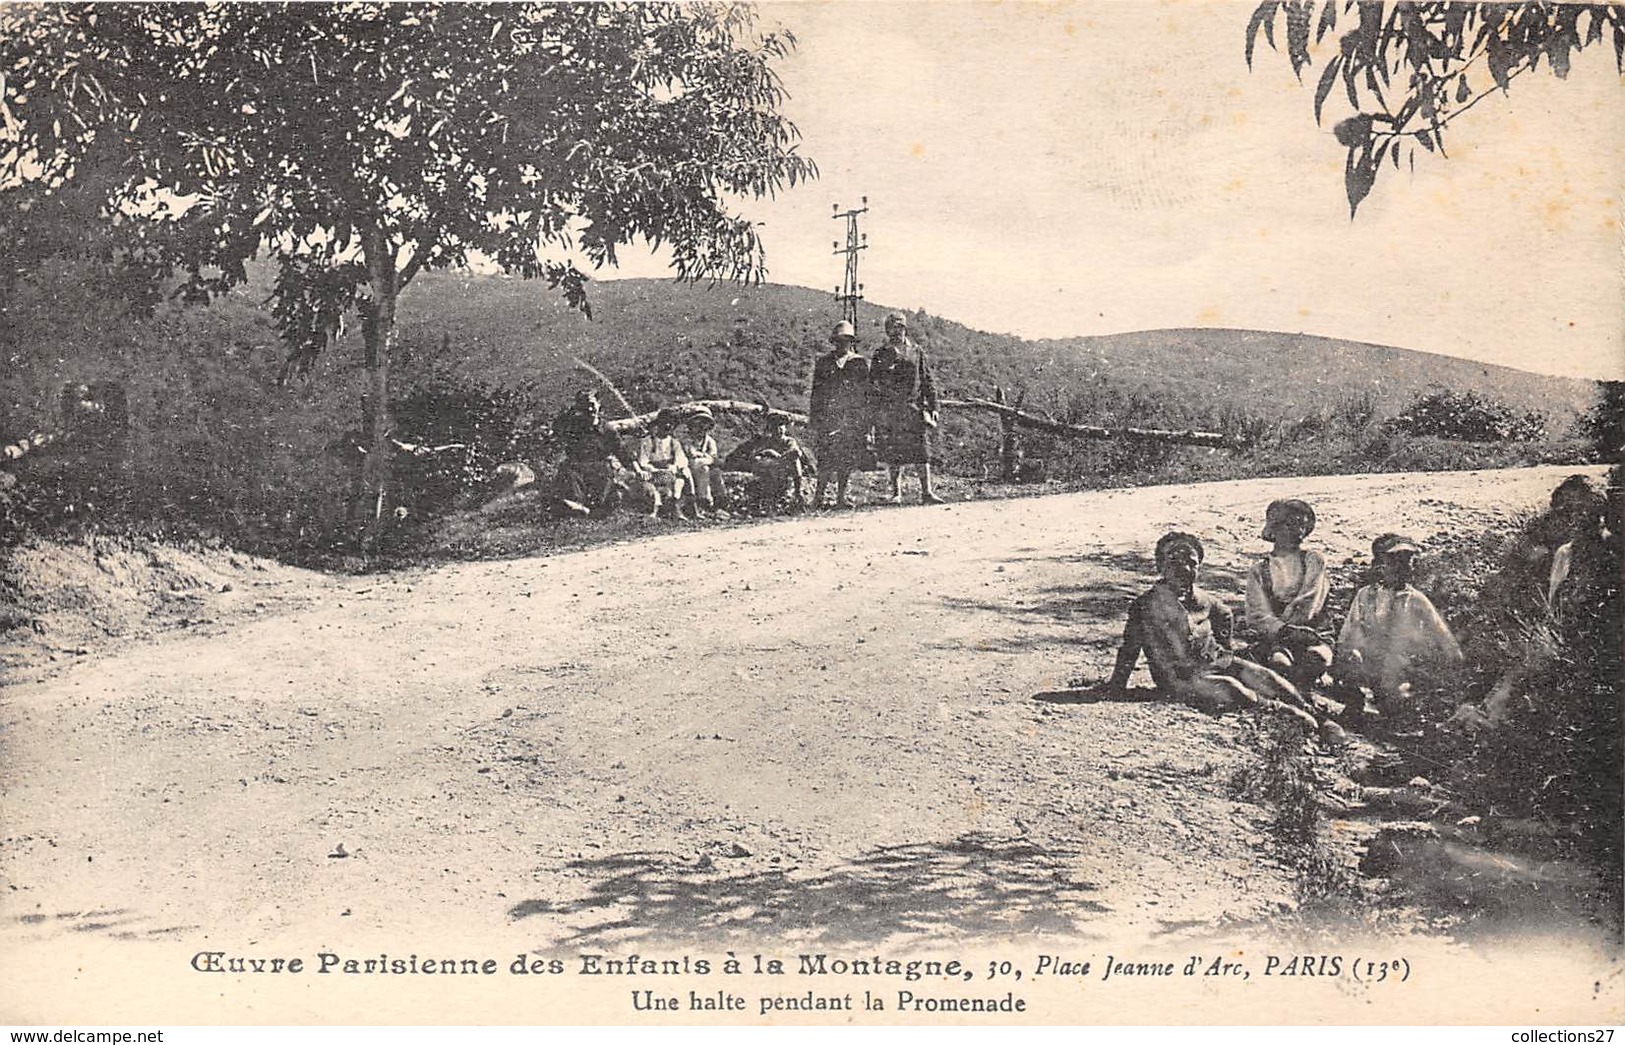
(1394, 642)
(1286, 597)
(838, 414)
(904, 398)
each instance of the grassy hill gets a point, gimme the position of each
(219, 447)
(669, 340)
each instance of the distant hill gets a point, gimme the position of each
(218, 446)
(661, 340)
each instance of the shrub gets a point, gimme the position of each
(1467, 416)
(479, 425)
(1603, 426)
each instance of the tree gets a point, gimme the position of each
(359, 144)
(1411, 69)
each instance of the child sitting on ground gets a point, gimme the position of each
(1185, 635)
(705, 464)
(1394, 643)
(1286, 597)
(777, 461)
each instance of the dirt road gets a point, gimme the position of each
(819, 731)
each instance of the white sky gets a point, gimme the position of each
(1083, 168)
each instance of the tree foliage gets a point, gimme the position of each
(1410, 69)
(361, 143)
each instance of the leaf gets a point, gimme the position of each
(1425, 140)
(1297, 35)
(1354, 131)
(1359, 174)
(1328, 19)
(1463, 92)
(1263, 17)
(1558, 49)
(1327, 79)
(1499, 58)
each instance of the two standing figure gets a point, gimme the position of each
(892, 394)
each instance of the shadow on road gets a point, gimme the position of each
(976, 885)
(1091, 695)
(120, 924)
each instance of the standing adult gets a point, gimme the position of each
(904, 399)
(839, 414)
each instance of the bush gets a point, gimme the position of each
(1603, 426)
(479, 426)
(1467, 416)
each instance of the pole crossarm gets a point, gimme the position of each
(1186, 437)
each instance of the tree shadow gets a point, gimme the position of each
(120, 924)
(1084, 695)
(976, 885)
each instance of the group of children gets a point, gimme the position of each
(1392, 644)
(674, 475)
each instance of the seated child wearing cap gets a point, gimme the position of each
(1286, 597)
(1393, 640)
(704, 463)
(1185, 635)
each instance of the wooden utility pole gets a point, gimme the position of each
(850, 292)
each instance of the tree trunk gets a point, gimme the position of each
(378, 335)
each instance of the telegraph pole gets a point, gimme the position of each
(851, 291)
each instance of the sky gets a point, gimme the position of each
(1052, 170)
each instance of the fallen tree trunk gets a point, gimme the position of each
(627, 425)
(1187, 437)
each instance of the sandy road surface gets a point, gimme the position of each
(819, 731)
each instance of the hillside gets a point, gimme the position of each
(219, 448)
(669, 340)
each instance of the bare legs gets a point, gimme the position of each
(927, 494)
